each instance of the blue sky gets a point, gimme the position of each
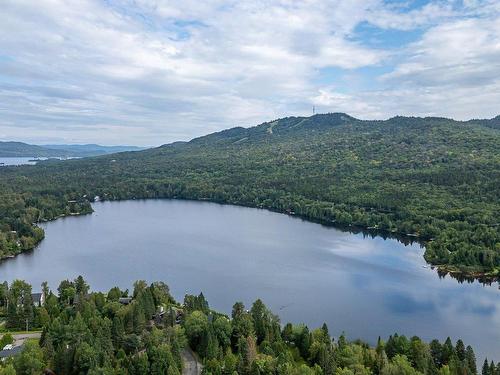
(149, 72)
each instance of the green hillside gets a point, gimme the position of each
(20, 149)
(433, 179)
(84, 150)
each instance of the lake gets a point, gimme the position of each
(18, 161)
(305, 272)
(13, 161)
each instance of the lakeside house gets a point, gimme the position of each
(4, 354)
(38, 299)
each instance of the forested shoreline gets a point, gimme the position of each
(434, 180)
(146, 331)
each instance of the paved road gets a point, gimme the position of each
(20, 338)
(191, 366)
(25, 336)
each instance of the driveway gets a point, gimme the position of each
(191, 366)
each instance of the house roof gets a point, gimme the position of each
(11, 352)
(36, 297)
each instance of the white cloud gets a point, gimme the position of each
(464, 52)
(151, 72)
(430, 13)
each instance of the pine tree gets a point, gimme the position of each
(447, 351)
(486, 368)
(470, 359)
(460, 350)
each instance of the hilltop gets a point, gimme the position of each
(20, 149)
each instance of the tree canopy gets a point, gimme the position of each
(150, 333)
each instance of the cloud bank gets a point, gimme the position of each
(149, 72)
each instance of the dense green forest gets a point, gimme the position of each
(432, 179)
(148, 332)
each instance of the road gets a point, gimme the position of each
(191, 366)
(20, 338)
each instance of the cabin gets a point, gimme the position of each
(125, 300)
(38, 299)
(6, 353)
(174, 315)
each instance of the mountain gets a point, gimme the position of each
(491, 123)
(432, 179)
(20, 149)
(93, 149)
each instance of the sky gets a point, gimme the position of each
(150, 72)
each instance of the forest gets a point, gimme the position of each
(434, 180)
(146, 332)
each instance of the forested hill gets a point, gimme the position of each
(84, 150)
(20, 149)
(434, 179)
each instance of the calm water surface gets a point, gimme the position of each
(25, 160)
(17, 161)
(305, 272)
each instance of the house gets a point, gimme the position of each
(174, 315)
(4, 354)
(38, 299)
(125, 300)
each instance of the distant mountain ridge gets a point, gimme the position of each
(297, 125)
(92, 149)
(21, 149)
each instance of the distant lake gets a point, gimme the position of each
(18, 161)
(24, 160)
(305, 272)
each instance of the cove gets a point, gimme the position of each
(305, 272)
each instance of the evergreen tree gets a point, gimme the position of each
(486, 368)
(460, 350)
(470, 359)
(447, 351)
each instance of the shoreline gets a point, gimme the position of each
(460, 273)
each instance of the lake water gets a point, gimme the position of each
(304, 272)
(25, 160)
(18, 161)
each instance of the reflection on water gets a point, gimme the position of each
(367, 287)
